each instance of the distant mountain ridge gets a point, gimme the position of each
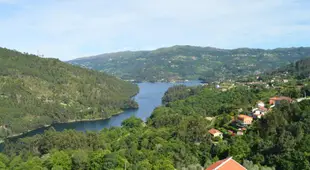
(38, 91)
(191, 62)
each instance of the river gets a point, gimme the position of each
(148, 98)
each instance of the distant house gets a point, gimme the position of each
(226, 164)
(255, 83)
(216, 133)
(239, 133)
(260, 104)
(244, 120)
(277, 100)
(260, 110)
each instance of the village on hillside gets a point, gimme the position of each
(241, 122)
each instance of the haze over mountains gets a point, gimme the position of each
(191, 62)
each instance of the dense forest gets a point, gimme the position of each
(38, 91)
(176, 136)
(299, 70)
(190, 62)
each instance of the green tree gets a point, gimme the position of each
(80, 160)
(143, 165)
(132, 122)
(239, 149)
(97, 159)
(60, 159)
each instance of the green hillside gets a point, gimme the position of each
(299, 69)
(38, 91)
(190, 62)
(176, 137)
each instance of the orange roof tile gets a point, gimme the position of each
(214, 131)
(281, 98)
(216, 164)
(244, 117)
(226, 164)
(274, 98)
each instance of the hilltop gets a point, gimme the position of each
(191, 62)
(38, 91)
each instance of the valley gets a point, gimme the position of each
(261, 120)
(148, 98)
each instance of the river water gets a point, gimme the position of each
(148, 98)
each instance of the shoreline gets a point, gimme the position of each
(165, 81)
(20, 135)
(68, 121)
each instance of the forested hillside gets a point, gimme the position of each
(176, 136)
(39, 91)
(299, 69)
(190, 62)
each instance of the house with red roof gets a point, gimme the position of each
(216, 133)
(226, 164)
(244, 120)
(277, 100)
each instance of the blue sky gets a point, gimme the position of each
(68, 29)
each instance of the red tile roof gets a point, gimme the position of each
(244, 117)
(281, 98)
(226, 164)
(214, 131)
(216, 164)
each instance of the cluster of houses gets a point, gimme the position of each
(243, 121)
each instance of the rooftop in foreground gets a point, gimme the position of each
(226, 164)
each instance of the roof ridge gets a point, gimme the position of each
(239, 164)
(227, 159)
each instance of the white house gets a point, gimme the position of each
(260, 110)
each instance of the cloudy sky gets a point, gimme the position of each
(67, 29)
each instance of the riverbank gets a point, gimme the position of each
(92, 119)
(148, 98)
(68, 121)
(164, 81)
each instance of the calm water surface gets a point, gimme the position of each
(148, 99)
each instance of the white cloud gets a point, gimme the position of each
(75, 28)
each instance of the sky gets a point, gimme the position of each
(68, 29)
